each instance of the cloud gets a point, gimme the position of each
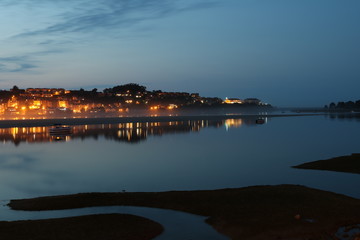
(62, 24)
(27, 61)
(110, 15)
(16, 64)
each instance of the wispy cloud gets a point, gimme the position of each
(113, 15)
(16, 64)
(27, 61)
(77, 21)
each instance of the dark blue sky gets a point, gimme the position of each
(288, 53)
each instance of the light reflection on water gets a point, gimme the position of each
(176, 156)
(125, 132)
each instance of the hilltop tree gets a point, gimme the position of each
(357, 103)
(15, 89)
(131, 87)
(341, 105)
(350, 104)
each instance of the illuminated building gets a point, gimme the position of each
(44, 92)
(233, 101)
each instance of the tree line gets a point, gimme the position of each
(349, 105)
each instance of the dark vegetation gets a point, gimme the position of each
(132, 88)
(260, 212)
(344, 106)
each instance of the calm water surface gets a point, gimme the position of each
(176, 156)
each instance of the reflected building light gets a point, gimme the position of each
(123, 131)
(14, 132)
(229, 123)
(129, 125)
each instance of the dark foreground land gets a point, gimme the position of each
(260, 212)
(349, 164)
(92, 227)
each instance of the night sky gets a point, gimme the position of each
(285, 52)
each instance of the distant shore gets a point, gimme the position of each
(128, 119)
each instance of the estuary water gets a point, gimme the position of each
(186, 155)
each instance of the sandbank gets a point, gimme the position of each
(258, 212)
(348, 164)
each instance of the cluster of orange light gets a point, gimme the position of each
(172, 106)
(41, 107)
(154, 108)
(169, 107)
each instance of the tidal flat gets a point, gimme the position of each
(90, 227)
(256, 212)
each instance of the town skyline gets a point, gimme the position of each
(118, 100)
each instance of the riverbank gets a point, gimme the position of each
(91, 227)
(140, 119)
(259, 212)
